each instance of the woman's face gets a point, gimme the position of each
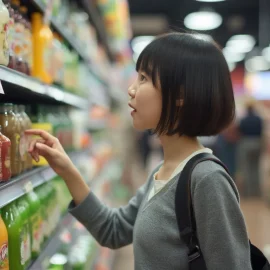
(146, 103)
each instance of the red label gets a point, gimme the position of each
(3, 252)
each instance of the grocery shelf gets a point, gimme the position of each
(94, 125)
(21, 184)
(67, 223)
(93, 13)
(20, 86)
(61, 29)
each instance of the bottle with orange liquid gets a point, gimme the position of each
(4, 263)
(42, 48)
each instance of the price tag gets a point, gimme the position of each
(28, 187)
(1, 89)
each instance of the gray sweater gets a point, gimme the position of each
(152, 228)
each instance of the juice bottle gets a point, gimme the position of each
(4, 263)
(23, 10)
(11, 129)
(43, 194)
(4, 21)
(10, 34)
(35, 223)
(27, 125)
(40, 122)
(24, 212)
(5, 149)
(18, 37)
(13, 223)
(22, 143)
(42, 49)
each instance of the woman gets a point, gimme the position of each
(183, 90)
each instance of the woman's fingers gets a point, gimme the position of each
(45, 150)
(32, 144)
(43, 134)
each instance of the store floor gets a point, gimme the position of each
(257, 216)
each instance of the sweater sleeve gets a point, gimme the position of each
(220, 224)
(111, 227)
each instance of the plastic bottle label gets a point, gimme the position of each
(36, 233)
(4, 44)
(4, 265)
(22, 147)
(18, 39)
(5, 171)
(25, 244)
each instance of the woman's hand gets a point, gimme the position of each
(50, 148)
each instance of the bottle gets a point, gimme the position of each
(4, 263)
(13, 223)
(5, 170)
(43, 194)
(24, 212)
(18, 37)
(22, 143)
(42, 49)
(4, 21)
(27, 125)
(10, 35)
(11, 129)
(40, 122)
(26, 39)
(35, 223)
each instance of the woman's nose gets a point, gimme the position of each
(131, 92)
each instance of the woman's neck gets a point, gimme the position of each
(177, 148)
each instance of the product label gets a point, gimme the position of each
(4, 265)
(22, 147)
(18, 39)
(4, 44)
(36, 232)
(47, 58)
(17, 140)
(5, 170)
(25, 244)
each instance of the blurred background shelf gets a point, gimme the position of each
(98, 23)
(25, 89)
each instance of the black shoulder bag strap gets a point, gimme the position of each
(187, 223)
(185, 214)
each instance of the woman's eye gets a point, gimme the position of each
(142, 78)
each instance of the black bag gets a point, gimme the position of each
(187, 224)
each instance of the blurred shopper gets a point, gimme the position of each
(226, 147)
(183, 91)
(250, 148)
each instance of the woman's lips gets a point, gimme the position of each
(134, 110)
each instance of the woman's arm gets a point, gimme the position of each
(220, 224)
(111, 227)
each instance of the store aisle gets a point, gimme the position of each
(257, 216)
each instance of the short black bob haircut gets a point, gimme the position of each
(187, 67)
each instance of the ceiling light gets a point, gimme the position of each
(257, 63)
(232, 56)
(210, 0)
(241, 43)
(139, 43)
(266, 53)
(203, 20)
